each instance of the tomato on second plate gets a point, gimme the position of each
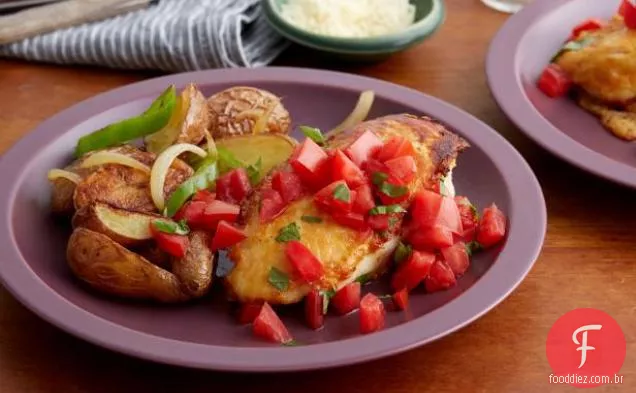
(429, 238)
(362, 148)
(217, 211)
(440, 278)
(248, 312)
(430, 209)
(226, 235)
(363, 201)
(288, 185)
(268, 325)
(175, 245)
(304, 262)
(413, 271)
(336, 197)
(272, 205)
(313, 309)
(456, 257)
(342, 168)
(395, 147)
(204, 196)
(372, 314)
(469, 217)
(347, 298)
(554, 82)
(587, 25)
(401, 299)
(403, 168)
(492, 226)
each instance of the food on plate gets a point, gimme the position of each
(598, 66)
(246, 110)
(299, 221)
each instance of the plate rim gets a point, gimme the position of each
(527, 206)
(505, 86)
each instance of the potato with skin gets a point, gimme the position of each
(236, 111)
(272, 149)
(195, 269)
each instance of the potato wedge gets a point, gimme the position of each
(273, 149)
(236, 111)
(195, 269)
(110, 268)
(125, 227)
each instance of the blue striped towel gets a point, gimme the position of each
(171, 35)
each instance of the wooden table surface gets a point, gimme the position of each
(589, 258)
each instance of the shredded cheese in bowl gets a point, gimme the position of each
(350, 18)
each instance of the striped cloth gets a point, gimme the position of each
(171, 35)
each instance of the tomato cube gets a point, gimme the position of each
(175, 245)
(308, 161)
(363, 201)
(351, 220)
(362, 148)
(587, 25)
(395, 147)
(204, 196)
(192, 213)
(217, 211)
(403, 168)
(456, 257)
(234, 186)
(336, 197)
(413, 271)
(248, 312)
(467, 214)
(342, 168)
(628, 10)
(554, 82)
(347, 298)
(313, 310)
(430, 209)
(306, 265)
(272, 205)
(379, 222)
(288, 185)
(430, 238)
(401, 299)
(226, 235)
(441, 277)
(372, 314)
(492, 227)
(268, 325)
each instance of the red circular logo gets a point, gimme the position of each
(586, 348)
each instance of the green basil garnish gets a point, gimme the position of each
(173, 228)
(402, 252)
(314, 134)
(389, 209)
(288, 233)
(342, 193)
(278, 279)
(311, 219)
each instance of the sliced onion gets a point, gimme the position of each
(162, 165)
(359, 113)
(110, 157)
(63, 174)
(210, 142)
(261, 124)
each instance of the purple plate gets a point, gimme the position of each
(519, 53)
(203, 334)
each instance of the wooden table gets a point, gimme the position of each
(589, 258)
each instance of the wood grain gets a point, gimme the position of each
(589, 258)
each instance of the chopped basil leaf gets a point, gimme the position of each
(473, 247)
(378, 178)
(311, 219)
(572, 46)
(402, 252)
(325, 301)
(363, 279)
(291, 343)
(288, 233)
(392, 190)
(227, 160)
(174, 228)
(386, 210)
(342, 193)
(278, 279)
(314, 134)
(254, 171)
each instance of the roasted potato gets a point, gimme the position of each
(125, 227)
(110, 268)
(272, 149)
(187, 124)
(236, 111)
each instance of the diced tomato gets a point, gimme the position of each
(587, 25)
(304, 262)
(430, 209)
(403, 168)
(372, 314)
(248, 312)
(326, 199)
(204, 196)
(347, 298)
(313, 310)
(401, 299)
(395, 147)
(192, 213)
(226, 235)
(554, 82)
(623, 7)
(268, 325)
(224, 189)
(374, 166)
(272, 205)
(364, 200)
(456, 257)
(492, 227)
(629, 14)
(342, 168)
(430, 238)
(441, 277)
(351, 220)
(379, 222)
(307, 161)
(468, 216)
(413, 271)
(288, 185)
(234, 186)
(362, 148)
(175, 245)
(217, 211)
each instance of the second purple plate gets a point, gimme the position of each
(203, 334)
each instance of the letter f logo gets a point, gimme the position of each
(583, 344)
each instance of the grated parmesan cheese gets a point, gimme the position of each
(350, 18)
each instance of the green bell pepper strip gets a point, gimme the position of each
(204, 178)
(152, 120)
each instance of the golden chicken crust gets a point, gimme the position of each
(341, 250)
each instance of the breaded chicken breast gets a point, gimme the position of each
(344, 253)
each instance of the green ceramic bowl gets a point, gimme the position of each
(428, 18)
